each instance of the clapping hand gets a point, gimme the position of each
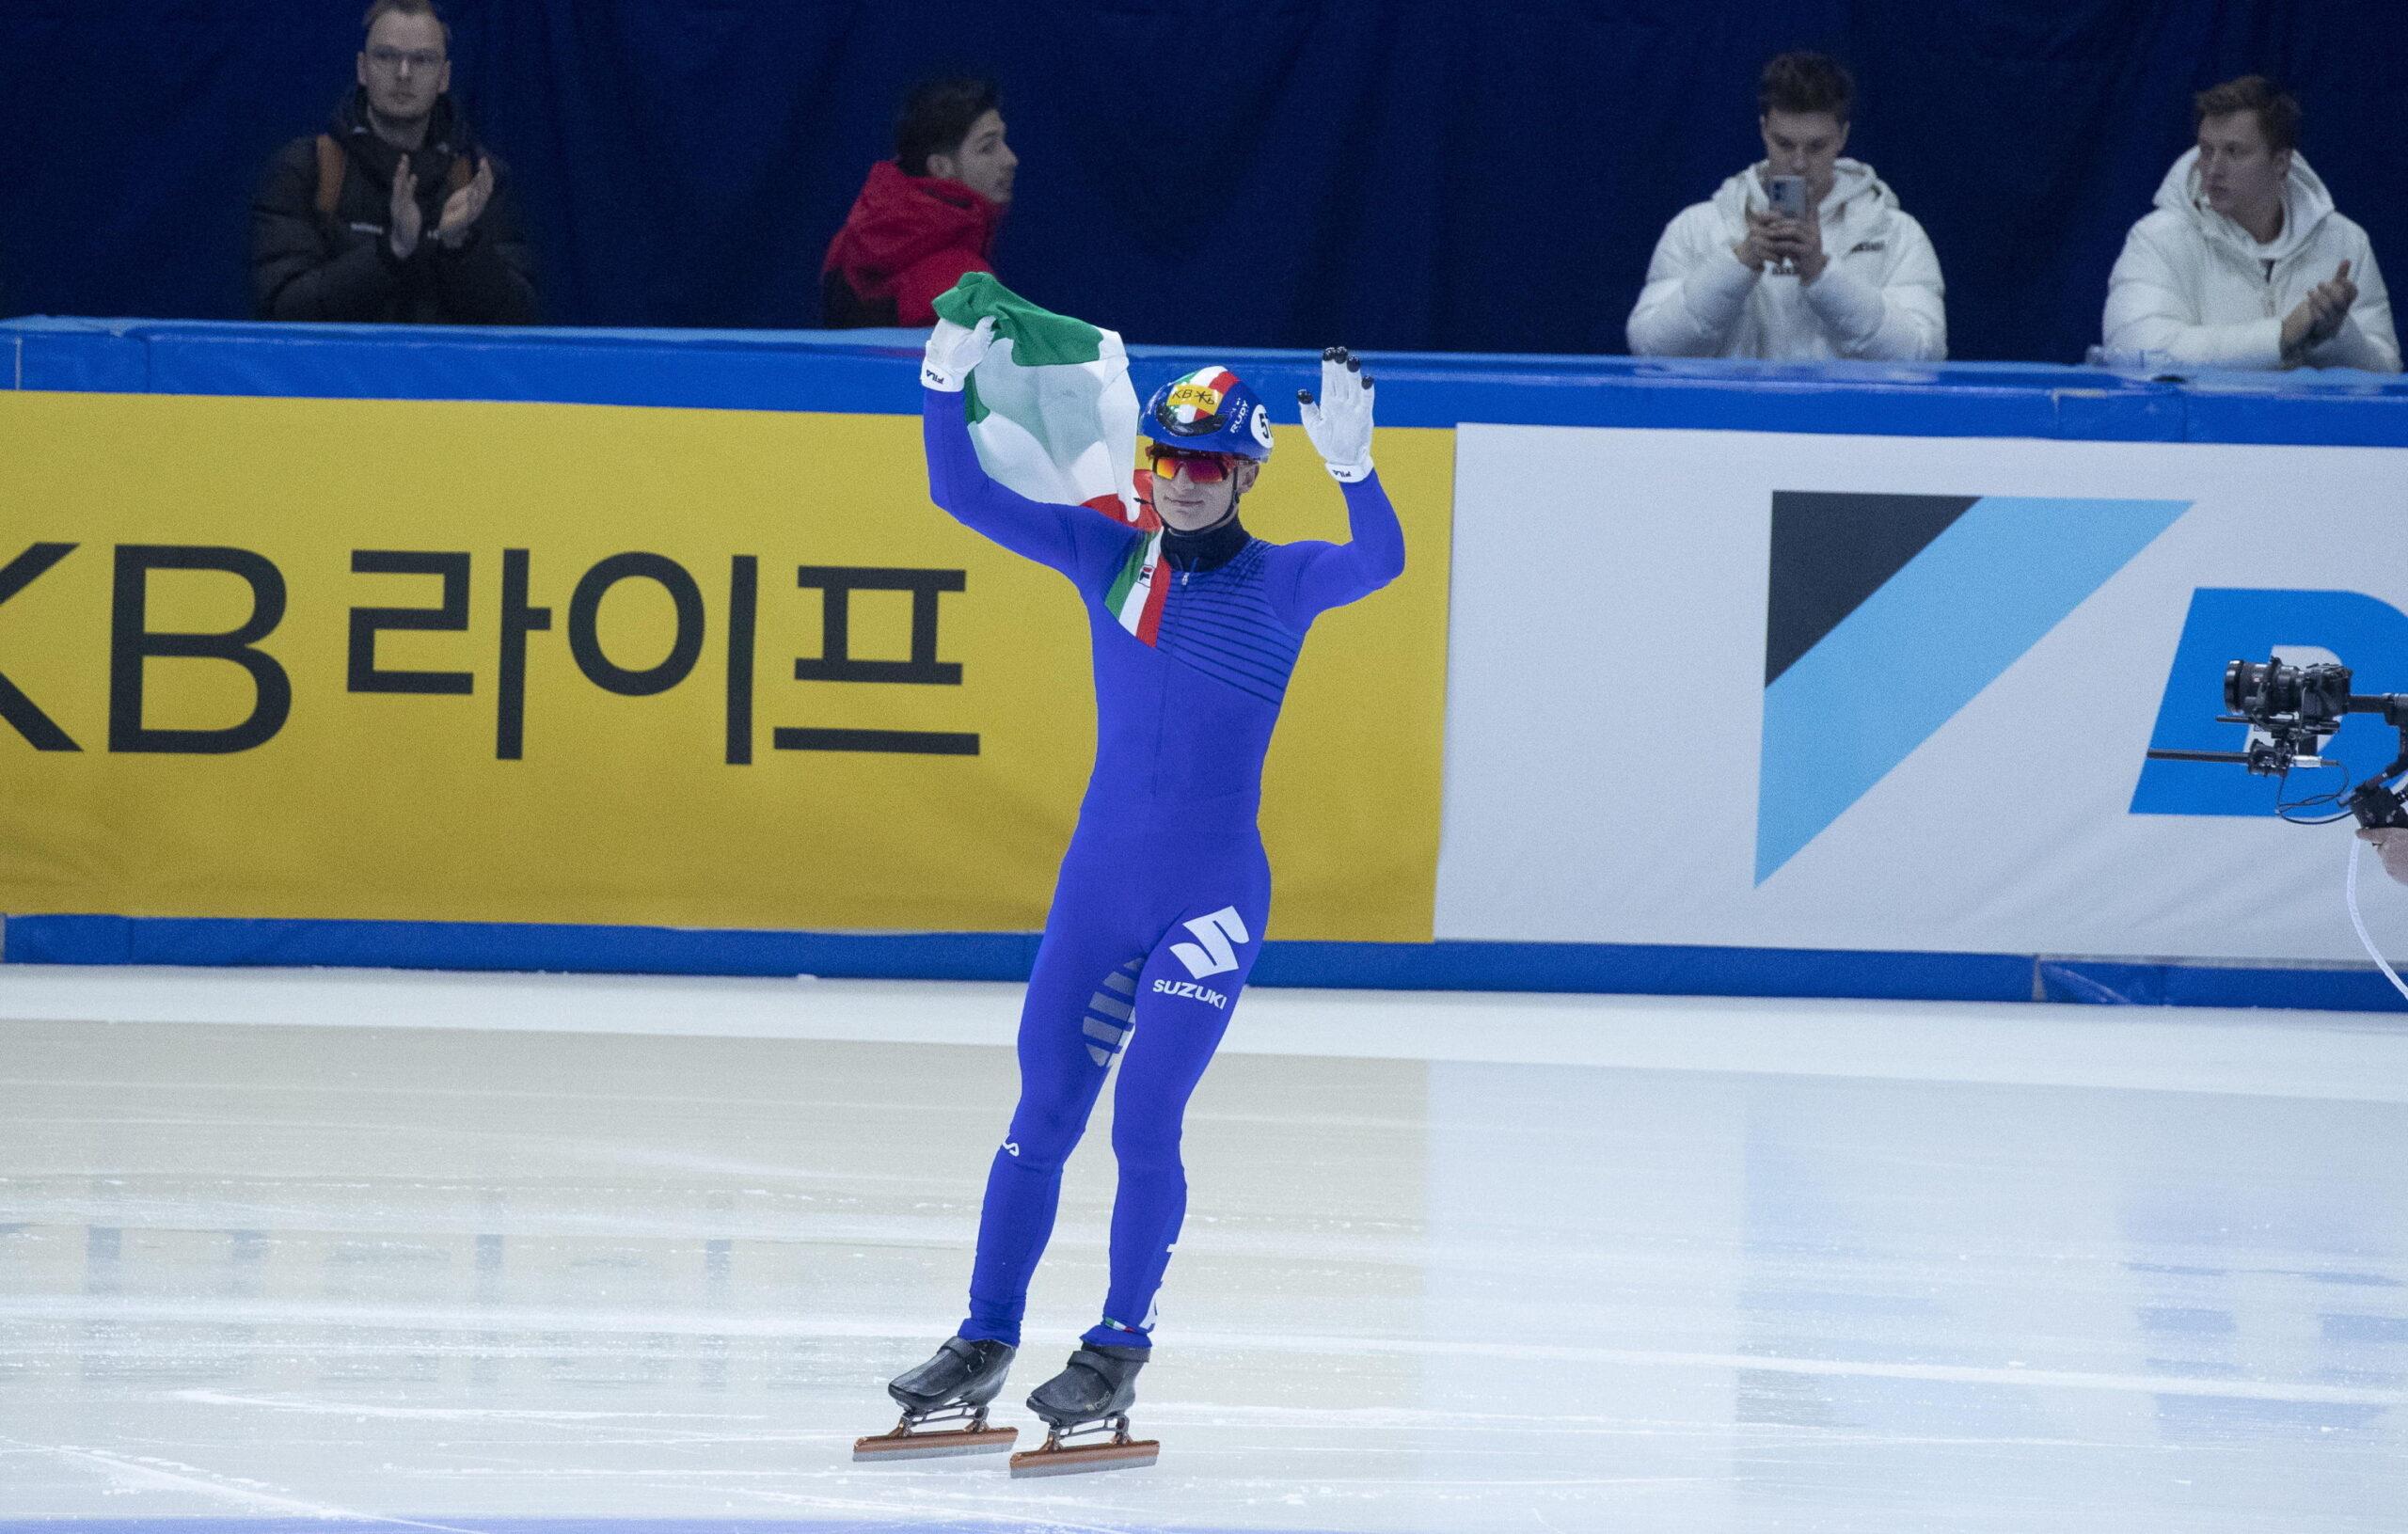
(2335, 295)
(2319, 317)
(407, 221)
(460, 209)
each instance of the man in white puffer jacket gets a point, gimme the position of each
(1855, 277)
(2245, 263)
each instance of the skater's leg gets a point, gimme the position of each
(1186, 993)
(1071, 1026)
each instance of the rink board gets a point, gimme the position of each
(1897, 694)
(703, 669)
(1752, 680)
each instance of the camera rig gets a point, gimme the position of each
(2295, 708)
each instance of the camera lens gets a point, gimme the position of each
(2247, 685)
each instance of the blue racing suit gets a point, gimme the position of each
(1159, 910)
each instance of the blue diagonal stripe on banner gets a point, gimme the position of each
(1924, 645)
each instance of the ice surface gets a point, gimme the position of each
(465, 1252)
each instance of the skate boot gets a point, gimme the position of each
(951, 1391)
(1090, 1397)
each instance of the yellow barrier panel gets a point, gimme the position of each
(507, 662)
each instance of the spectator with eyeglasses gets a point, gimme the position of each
(395, 214)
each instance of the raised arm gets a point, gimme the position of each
(1326, 576)
(1071, 539)
(1319, 575)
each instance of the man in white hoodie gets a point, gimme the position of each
(1854, 277)
(2245, 263)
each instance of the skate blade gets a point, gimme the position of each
(900, 1444)
(1134, 1455)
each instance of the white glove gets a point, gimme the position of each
(953, 351)
(1340, 424)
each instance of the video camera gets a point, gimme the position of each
(2295, 708)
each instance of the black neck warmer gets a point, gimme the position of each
(1206, 548)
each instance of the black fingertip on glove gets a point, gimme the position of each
(1303, 396)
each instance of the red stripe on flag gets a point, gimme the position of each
(1111, 506)
(1150, 622)
(1149, 520)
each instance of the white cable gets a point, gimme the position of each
(2349, 889)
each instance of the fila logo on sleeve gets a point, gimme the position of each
(1214, 951)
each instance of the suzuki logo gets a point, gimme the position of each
(1214, 951)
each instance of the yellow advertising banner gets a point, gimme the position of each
(514, 662)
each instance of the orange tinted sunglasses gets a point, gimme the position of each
(1202, 467)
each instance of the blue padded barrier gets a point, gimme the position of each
(2165, 982)
(875, 371)
(1620, 969)
(511, 946)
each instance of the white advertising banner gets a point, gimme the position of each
(1896, 693)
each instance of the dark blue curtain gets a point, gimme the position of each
(1392, 173)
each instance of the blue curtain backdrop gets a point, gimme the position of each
(1391, 173)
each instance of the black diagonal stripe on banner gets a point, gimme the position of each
(1830, 551)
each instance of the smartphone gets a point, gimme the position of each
(1787, 196)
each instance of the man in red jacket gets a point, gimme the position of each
(925, 217)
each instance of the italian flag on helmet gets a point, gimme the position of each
(1209, 410)
(1197, 396)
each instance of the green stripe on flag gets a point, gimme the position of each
(1039, 336)
(1128, 576)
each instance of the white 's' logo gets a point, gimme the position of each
(1219, 934)
(1011, 1147)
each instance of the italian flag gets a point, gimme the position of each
(1140, 589)
(1051, 408)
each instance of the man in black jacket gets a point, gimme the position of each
(394, 214)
